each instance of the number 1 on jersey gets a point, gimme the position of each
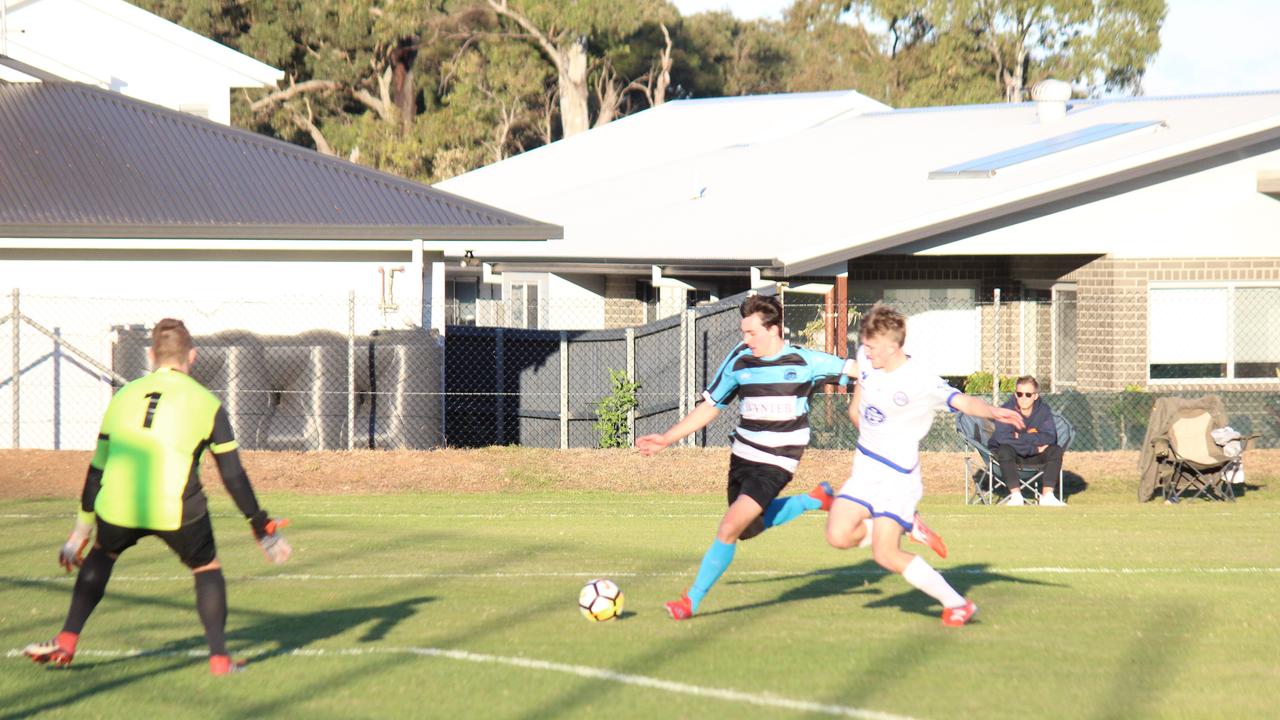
(154, 398)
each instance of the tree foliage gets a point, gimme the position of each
(432, 88)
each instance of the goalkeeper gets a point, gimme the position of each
(144, 479)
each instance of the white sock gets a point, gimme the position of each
(931, 583)
(866, 537)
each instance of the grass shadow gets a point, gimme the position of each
(859, 580)
(1073, 484)
(827, 582)
(964, 578)
(282, 633)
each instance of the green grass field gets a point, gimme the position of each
(465, 606)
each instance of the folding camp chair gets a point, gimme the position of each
(983, 478)
(1192, 462)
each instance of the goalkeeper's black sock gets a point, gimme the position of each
(211, 603)
(91, 584)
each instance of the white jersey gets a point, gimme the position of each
(896, 410)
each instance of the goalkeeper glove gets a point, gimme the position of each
(72, 553)
(266, 531)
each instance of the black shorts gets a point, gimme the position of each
(192, 542)
(758, 481)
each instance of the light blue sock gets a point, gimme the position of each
(783, 510)
(714, 563)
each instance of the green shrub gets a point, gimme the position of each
(612, 410)
(979, 383)
(1130, 411)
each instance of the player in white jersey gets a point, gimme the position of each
(893, 407)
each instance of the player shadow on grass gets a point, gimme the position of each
(827, 582)
(286, 633)
(862, 578)
(963, 578)
(282, 633)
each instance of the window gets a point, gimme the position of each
(943, 326)
(1064, 336)
(1256, 343)
(1213, 333)
(524, 301)
(648, 294)
(460, 296)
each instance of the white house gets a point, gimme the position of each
(1150, 213)
(119, 47)
(116, 213)
(601, 283)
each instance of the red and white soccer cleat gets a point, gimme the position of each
(955, 617)
(921, 533)
(58, 651)
(681, 609)
(823, 493)
(224, 665)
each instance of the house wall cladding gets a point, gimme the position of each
(1113, 305)
(621, 308)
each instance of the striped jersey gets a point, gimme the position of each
(773, 397)
(896, 410)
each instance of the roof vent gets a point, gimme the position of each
(1051, 98)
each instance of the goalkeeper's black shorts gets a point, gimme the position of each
(192, 542)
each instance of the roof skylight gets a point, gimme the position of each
(987, 166)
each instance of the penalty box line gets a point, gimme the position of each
(326, 577)
(582, 671)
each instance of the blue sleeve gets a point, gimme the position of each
(826, 368)
(724, 386)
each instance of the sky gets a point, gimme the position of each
(1207, 46)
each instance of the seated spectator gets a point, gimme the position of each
(1036, 445)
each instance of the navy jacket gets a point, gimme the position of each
(1040, 430)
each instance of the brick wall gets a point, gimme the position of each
(1113, 312)
(621, 308)
(1112, 305)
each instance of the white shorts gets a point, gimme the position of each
(883, 489)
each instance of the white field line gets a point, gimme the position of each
(448, 516)
(582, 671)
(588, 511)
(312, 577)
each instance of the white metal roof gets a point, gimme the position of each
(64, 37)
(549, 176)
(859, 183)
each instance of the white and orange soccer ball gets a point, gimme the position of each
(600, 600)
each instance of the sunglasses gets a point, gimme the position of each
(1022, 394)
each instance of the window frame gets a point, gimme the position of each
(1230, 286)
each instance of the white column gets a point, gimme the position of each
(428, 267)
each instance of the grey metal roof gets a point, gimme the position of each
(76, 161)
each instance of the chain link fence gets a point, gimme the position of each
(333, 372)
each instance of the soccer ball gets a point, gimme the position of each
(600, 600)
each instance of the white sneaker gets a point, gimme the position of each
(1015, 500)
(1051, 500)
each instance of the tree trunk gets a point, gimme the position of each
(402, 59)
(574, 91)
(664, 70)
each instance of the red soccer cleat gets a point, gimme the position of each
(681, 609)
(58, 651)
(955, 617)
(224, 665)
(921, 533)
(823, 493)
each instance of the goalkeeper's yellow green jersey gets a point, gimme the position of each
(149, 448)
